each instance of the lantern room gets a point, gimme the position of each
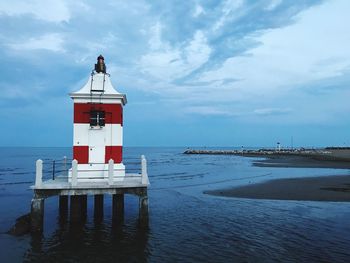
(98, 126)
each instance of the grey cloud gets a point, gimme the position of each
(272, 111)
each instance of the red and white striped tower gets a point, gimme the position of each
(98, 126)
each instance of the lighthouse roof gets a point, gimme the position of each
(98, 86)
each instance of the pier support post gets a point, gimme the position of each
(83, 206)
(118, 207)
(37, 214)
(75, 209)
(63, 204)
(143, 211)
(98, 207)
(63, 207)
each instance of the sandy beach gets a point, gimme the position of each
(300, 162)
(323, 188)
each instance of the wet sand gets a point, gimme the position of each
(323, 188)
(301, 162)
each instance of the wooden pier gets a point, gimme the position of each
(77, 192)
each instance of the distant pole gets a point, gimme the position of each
(292, 142)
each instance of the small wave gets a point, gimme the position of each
(8, 169)
(22, 173)
(212, 163)
(210, 183)
(186, 177)
(166, 175)
(16, 183)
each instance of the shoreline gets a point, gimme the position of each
(336, 158)
(300, 162)
(328, 153)
(322, 188)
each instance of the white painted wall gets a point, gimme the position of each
(113, 134)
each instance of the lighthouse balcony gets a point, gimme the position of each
(98, 172)
(91, 176)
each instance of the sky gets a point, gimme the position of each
(196, 73)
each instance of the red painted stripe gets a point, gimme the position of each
(81, 154)
(114, 112)
(115, 153)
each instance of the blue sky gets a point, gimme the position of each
(196, 73)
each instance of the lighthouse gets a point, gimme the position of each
(98, 127)
(97, 166)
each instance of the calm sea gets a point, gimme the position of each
(185, 224)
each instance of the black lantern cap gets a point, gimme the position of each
(100, 66)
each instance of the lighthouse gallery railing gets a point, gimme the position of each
(51, 169)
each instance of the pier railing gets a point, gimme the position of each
(53, 169)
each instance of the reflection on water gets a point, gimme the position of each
(100, 242)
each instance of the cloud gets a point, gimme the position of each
(198, 11)
(166, 63)
(228, 12)
(209, 111)
(248, 59)
(155, 41)
(290, 57)
(273, 4)
(272, 111)
(49, 10)
(52, 42)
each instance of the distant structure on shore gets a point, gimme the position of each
(328, 153)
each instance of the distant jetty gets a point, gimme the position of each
(259, 152)
(328, 153)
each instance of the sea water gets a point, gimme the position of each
(185, 224)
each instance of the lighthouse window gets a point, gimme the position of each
(97, 118)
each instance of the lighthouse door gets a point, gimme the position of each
(97, 145)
